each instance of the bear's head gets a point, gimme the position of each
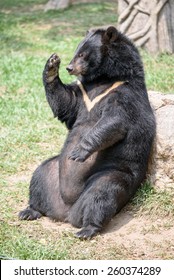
(106, 53)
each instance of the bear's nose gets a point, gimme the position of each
(69, 68)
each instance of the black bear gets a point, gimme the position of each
(111, 129)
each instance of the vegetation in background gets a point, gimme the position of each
(28, 132)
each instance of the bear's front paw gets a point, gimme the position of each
(53, 61)
(51, 68)
(79, 155)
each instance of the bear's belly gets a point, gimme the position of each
(73, 174)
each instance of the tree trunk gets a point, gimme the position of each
(57, 4)
(149, 23)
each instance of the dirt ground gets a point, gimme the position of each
(129, 235)
(137, 236)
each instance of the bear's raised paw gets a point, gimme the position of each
(53, 61)
(51, 68)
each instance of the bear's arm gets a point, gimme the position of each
(61, 98)
(63, 101)
(107, 132)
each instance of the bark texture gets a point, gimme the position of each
(149, 24)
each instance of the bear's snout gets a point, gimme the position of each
(70, 68)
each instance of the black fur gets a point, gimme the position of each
(105, 156)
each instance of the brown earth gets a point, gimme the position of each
(130, 235)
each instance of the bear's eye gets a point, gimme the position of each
(81, 54)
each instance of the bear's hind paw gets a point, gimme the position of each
(87, 232)
(29, 214)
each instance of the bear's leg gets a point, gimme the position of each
(45, 198)
(105, 195)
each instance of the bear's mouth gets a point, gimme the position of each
(72, 71)
(75, 72)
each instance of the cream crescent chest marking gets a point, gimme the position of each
(90, 104)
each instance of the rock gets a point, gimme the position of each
(57, 5)
(161, 166)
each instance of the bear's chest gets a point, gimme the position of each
(95, 99)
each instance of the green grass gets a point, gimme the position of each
(13, 245)
(29, 133)
(153, 202)
(159, 72)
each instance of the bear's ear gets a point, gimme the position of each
(110, 35)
